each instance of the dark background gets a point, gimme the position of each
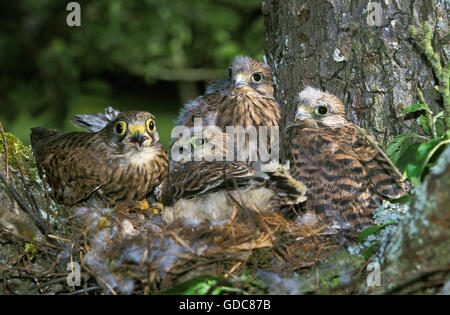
(150, 55)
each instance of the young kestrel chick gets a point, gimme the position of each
(345, 174)
(200, 180)
(198, 191)
(124, 161)
(200, 143)
(245, 98)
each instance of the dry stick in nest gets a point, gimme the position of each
(29, 196)
(37, 220)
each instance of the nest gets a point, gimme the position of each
(140, 253)
(137, 252)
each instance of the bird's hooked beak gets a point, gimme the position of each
(138, 137)
(304, 117)
(240, 80)
(302, 114)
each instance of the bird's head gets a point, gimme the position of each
(200, 144)
(131, 132)
(247, 74)
(317, 109)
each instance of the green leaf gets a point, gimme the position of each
(371, 230)
(424, 124)
(400, 144)
(197, 286)
(368, 252)
(424, 153)
(439, 122)
(201, 285)
(407, 157)
(415, 107)
(402, 200)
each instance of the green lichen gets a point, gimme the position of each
(19, 155)
(424, 42)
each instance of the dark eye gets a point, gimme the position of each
(257, 77)
(321, 110)
(120, 128)
(150, 125)
(199, 142)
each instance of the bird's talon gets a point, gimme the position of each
(143, 205)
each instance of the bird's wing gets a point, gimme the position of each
(95, 122)
(337, 182)
(71, 173)
(384, 176)
(194, 179)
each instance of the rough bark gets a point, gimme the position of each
(374, 70)
(417, 257)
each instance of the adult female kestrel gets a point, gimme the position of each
(124, 161)
(346, 173)
(245, 98)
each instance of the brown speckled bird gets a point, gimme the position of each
(200, 143)
(198, 184)
(122, 162)
(345, 174)
(245, 98)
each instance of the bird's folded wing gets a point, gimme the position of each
(384, 176)
(195, 179)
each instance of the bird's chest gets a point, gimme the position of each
(131, 178)
(245, 111)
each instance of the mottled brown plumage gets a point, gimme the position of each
(124, 161)
(245, 98)
(198, 191)
(198, 184)
(346, 176)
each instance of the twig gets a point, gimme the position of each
(59, 238)
(417, 276)
(37, 220)
(84, 290)
(29, 196)
(23, 238)
(236, 187)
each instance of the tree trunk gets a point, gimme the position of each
(337, 46)
(416, 259)
(375, 70)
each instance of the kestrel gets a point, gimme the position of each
(200, 143)
(200, 182)
(245, 98)
(346, 175)
(124, 161)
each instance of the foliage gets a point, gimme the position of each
(414, 154)
(51, 71)
(214, 285)
(371, 230)
(424, 40)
